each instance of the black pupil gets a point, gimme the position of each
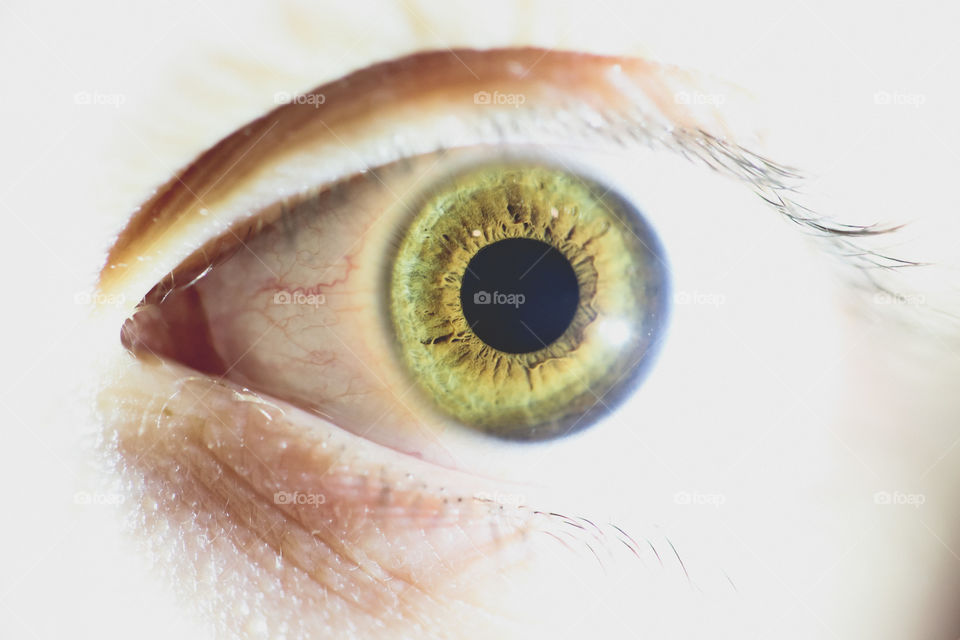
(519, 295)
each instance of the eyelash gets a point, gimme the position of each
(779, 186)
(775, 184)
(574, 123)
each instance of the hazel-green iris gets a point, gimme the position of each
(567, 384)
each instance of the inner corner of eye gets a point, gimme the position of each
(526, 299)
(520, 300)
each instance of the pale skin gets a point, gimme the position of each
(787, 470)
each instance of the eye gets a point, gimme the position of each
(506, 296)
(520, 295)
(509, 287)
(416, 265)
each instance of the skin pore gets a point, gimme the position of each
(738, 493)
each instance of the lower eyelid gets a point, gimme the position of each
(331, 506)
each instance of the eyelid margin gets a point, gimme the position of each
(202, 198)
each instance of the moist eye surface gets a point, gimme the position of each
(526, 299)
(497, 296)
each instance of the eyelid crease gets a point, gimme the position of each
(576, 98)
(585, 86)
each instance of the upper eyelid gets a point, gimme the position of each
(617, 100)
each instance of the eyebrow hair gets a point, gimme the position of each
(618, 100)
